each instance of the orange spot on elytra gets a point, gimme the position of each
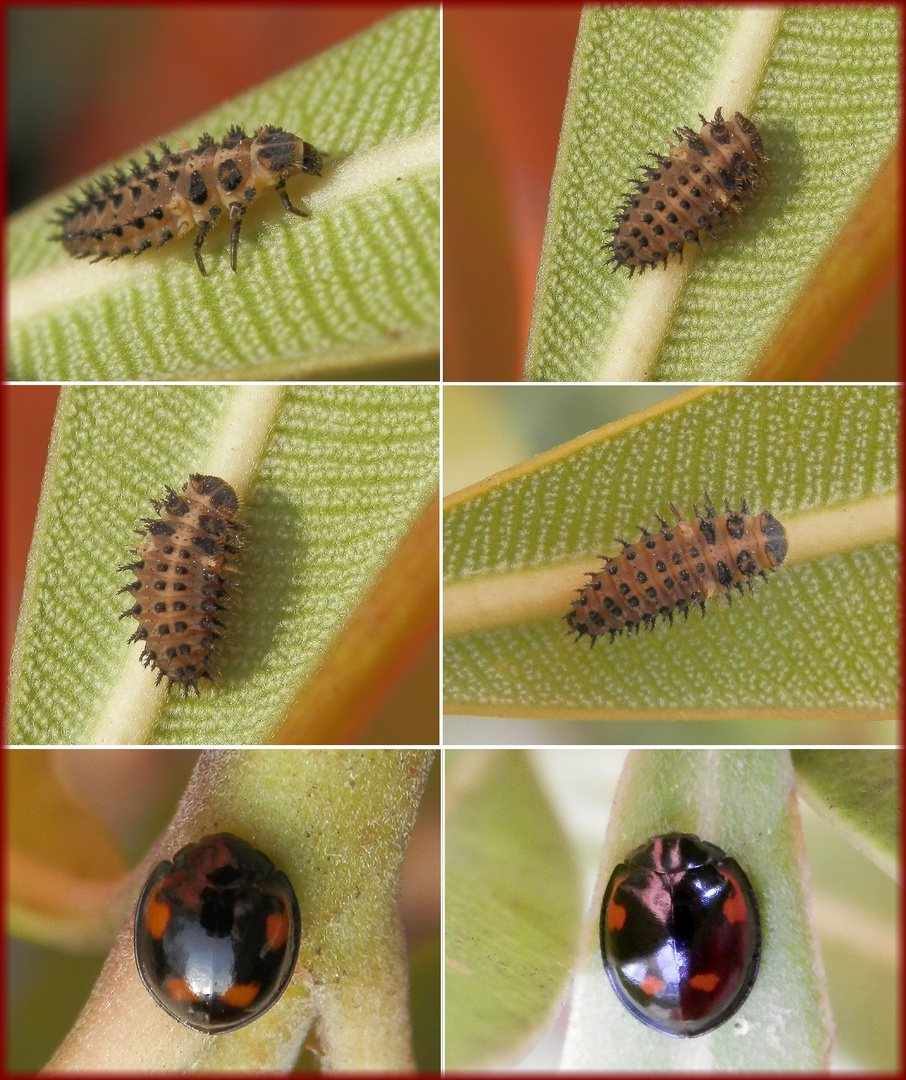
(241, 995)
(179, 990)
(651, 985)
(277, 929)
(707, 982)
(157, 915)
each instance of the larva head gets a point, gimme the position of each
(773, 536)
(218, 491)
(279, 153)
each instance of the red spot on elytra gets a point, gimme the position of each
(652, 985)
(616, 913)
(734, 908)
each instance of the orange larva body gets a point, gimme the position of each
(687, 192)
(181, 570)
(166, 198)
(685, 564)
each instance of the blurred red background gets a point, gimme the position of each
(88, 84)
(27, 419)
(506, 70)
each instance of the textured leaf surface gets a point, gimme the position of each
(743, 801)
(859, 793)
(822, 85)
(347, 292)
(822, 459)
(332, 477)
(512, 903)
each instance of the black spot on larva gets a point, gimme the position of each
(180, 192)
(716, 553)
(228, 175)
(198, 189)
(655, 222)
(189, 550)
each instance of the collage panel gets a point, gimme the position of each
(672, 193)
(672, 565)
(261, 909)
(270, 216)
(661, 910)
(231, 565)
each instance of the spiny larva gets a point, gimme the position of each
(181, 572)
(687, 192)
(683, 565)
(127, 214)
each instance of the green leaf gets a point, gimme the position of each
(820, 639)
(351, 292)
(739, 303)
(334, 480)
(859, 794)
(511, 906)
(744, 802)
(856, 909)
(338, 823)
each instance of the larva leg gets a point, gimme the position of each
(284, 198)
(203, 229)
(237, 212)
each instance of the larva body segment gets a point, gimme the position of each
(683, 565)
(687, 192)
(169, 196)
(180, 585)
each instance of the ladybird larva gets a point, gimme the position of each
(687, 192)
(181, 575)
(126, 214)
(671, 571)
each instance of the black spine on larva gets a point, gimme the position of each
(681, 567)
(687, 192)
(180, 581)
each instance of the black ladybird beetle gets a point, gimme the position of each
(680, 934)
(216, 933)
